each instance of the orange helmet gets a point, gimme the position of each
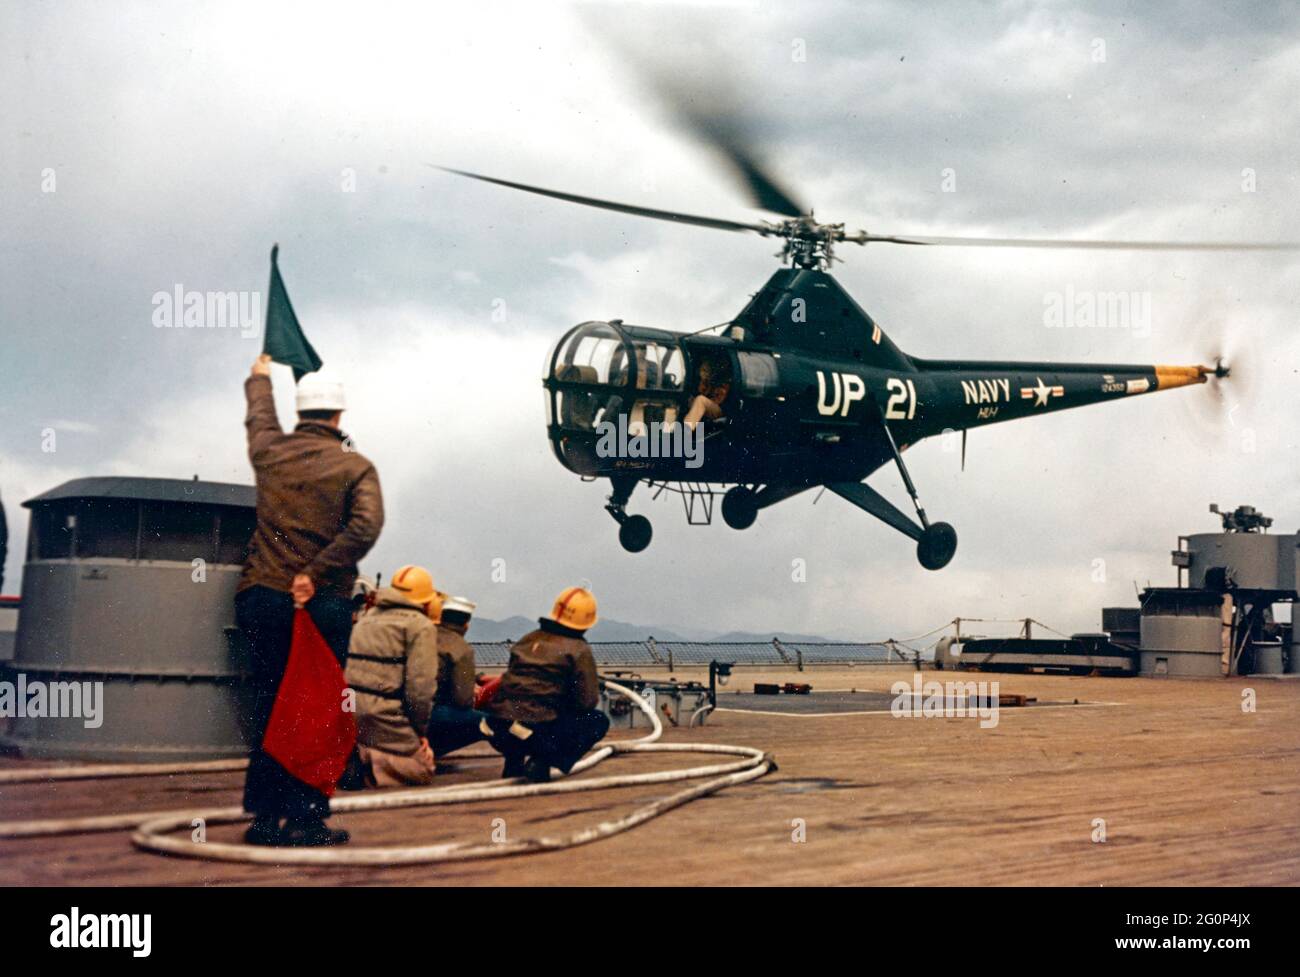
(415, 584)
(575, 608)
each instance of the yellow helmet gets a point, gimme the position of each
(575, 608)
(415, 584)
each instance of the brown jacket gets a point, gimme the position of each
(455, 670)
(551, 673)
(319, 508)
(393, 669)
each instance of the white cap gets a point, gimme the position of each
(317, 392)
(460, 604)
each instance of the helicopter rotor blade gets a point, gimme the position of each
(710, 105)
(724, 136)
(717, 223)
(793, 228)
(1091, 245)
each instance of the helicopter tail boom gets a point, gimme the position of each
(957, 395)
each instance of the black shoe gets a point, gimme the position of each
(264, 831)
(515, 767)
(311, 833)
(354, 774)
(537, 771)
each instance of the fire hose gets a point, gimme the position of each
(154, 828)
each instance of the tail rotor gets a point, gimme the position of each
(1218, 412)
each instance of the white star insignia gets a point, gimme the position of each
(1040, 393)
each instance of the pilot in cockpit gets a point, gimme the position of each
(711, 392)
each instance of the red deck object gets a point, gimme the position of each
(485, 693)
(309, 733)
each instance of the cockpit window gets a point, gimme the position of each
(601, 372)
(659, 367)
(594, 353)
(758, 373)
(578, 408)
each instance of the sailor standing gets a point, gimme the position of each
(319, 511)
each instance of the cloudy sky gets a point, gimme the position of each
(149, 146)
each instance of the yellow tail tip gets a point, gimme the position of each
(1168, 377)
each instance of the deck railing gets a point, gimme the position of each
(671, 654)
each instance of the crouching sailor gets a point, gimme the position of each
(544, 713)
(393, 669)
(454, 721)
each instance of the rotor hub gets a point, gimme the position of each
(809, 244)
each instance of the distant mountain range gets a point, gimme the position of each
(486, 629)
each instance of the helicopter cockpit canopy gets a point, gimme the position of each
(602, 371)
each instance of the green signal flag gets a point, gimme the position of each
(283, 339)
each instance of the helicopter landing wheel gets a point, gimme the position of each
(739, 508)
(634, 533)
(936, 546)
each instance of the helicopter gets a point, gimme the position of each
(802, 389)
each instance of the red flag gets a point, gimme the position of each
(309, 733)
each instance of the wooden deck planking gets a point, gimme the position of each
(1193, 791)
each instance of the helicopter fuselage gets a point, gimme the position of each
(807, 388)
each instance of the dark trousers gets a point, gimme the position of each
(265, 616)
(451, 728)
(561, 742)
